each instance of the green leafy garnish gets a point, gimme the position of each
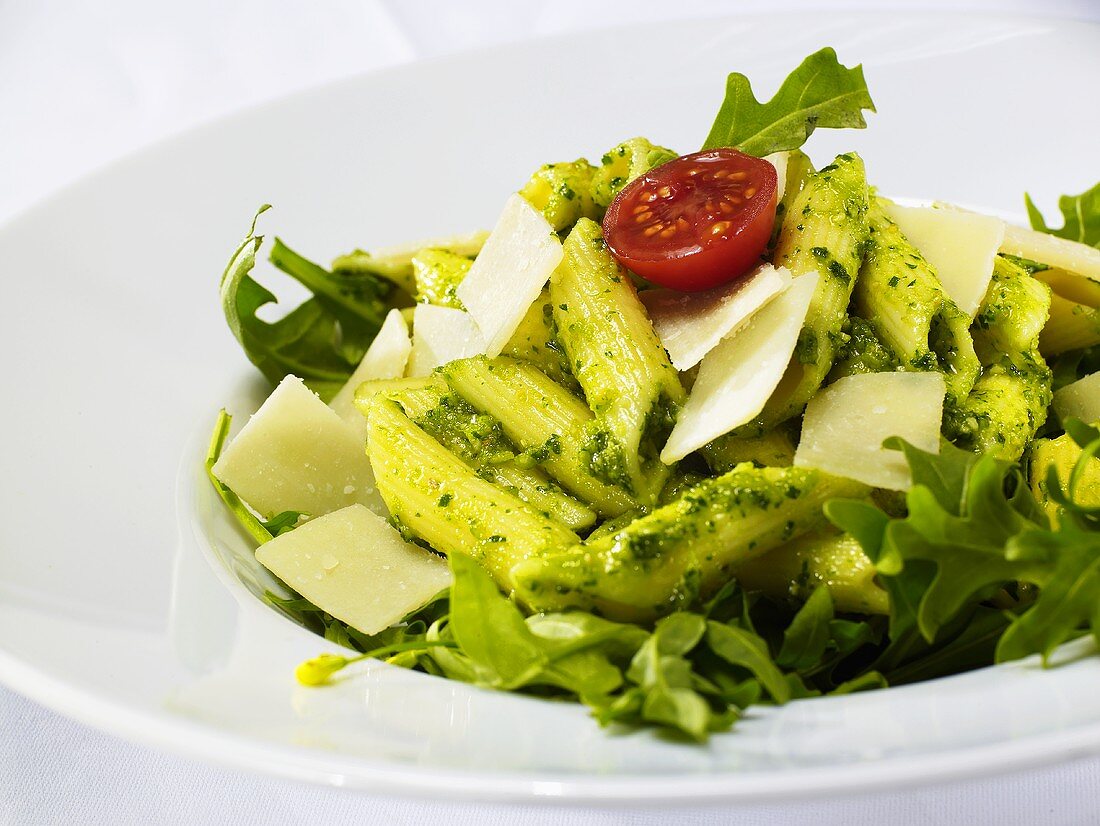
(689, 675)
(806, 638)
(819, 93)
(323, 339)
(975, 539)
(743, 648)
(1068, 576)
(490, 630)
(1080, 217)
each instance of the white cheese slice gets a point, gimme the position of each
(386, 358)
(1050, 249)
(296, 454)
(845, 424)
(442, 335)
(960, 245)
(1081, 400)
(738, 376)
(510, 272)
(779, 161)
(690, 325)
(354, 565)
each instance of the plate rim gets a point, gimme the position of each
(208, 745)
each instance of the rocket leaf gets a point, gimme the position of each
(821, 92)
(1080, 217)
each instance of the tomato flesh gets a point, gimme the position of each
(696, 222)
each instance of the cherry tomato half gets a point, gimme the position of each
(695, 222)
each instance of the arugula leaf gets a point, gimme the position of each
(448, 662)
(959, 520)
(1069, 592)
(1080, 217)
(280, 523)
(323, 339)
(745, 649)
(848, 636)
(807, 636)
(664, 675)
(498, 648)
(819, 93)
(619, 639)
(355, 301)
(1069, 579)
(866, 523)
(489, 628)
(583, 650)
(974, 528)
(944, 474)
(970, 647)
(968, 550)
(677, 634)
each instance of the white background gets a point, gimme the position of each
(84, 83)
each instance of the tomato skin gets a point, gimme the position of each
(696, 222)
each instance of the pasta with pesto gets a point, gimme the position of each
(846, 475)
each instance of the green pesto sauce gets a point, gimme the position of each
(472, 436)
(606, 460)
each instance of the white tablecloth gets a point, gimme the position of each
(84, 83)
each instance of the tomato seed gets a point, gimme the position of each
(749, 192)
(664, 191)
(668, 232)
(719, 228)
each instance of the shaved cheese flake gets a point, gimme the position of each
(1081, 400)
(296, 454)
(845, 424)
(779, 161)
(510, 272)
(738, 376)
(386, 358)
(690, 325)
(1061, 253)
(960, 245)
(354, 565)
(1067, 259)
(442, 335)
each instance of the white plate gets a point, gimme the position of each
(115, 610)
